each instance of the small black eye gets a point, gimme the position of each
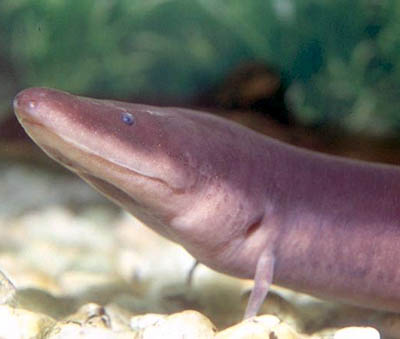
(127, 118)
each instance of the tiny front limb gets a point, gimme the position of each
(262, 282)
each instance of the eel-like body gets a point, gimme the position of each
(239, 202)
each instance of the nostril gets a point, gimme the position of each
(24, 103)
(32, 104)
(28, 99)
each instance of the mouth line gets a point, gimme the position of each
(108, 164)
(26, 121)
(78, 168)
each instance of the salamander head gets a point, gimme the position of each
(137, 155)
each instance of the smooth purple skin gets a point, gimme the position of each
(239, 202)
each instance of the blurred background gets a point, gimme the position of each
(315, 73)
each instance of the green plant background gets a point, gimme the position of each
(340, 58)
